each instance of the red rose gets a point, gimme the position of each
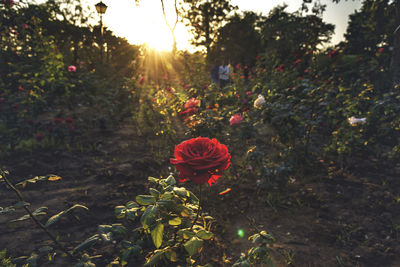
(201, 160)
(235, 119)
(191, 103)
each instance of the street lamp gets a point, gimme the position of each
(101, 9)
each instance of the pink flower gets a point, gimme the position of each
(237, 95)
(235, 119)
(248, 93)
(380, 50)
(306, 71)
(191, 103)
(72, 68)
(20, 88)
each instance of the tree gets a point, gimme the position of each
(286, 36)
(205, 17)
(395, 59)
(370, 28)
(239, 39)
(170, 27)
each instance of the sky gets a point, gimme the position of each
(144, 23)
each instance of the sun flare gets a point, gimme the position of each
(145, 24)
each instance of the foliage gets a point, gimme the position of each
(259, 254)
(205, 18)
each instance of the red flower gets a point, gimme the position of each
(191, 103)
(57, 120)
(333, 53)
(235, 119)
(188, 112)
(248, 93)
(20, 88)
(237, 95)
(141, 80)
(380, 50)
(39, 137)
(297, 62)
(201, 160)
(72, 68)
(69, 120)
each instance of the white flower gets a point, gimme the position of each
(354, 121)
(260, 101)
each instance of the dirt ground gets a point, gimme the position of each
(342, 219)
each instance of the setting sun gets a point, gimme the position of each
(144, 23)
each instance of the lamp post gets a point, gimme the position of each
(101, 9)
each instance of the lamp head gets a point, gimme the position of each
(101, 7)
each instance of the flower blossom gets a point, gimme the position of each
(191, 103)
(235, 119)
(354, 121)
(71, 68)
(260, 101)
(201, 160)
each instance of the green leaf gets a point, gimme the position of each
(37, 212)
(175, 221)
(45, 249)
(21, 204)
(119, 229)
(55, 218)
(181, 191)
(132, 205)
(167, 196)
(153, 180)
(155, 258)
(145, 199)
(120, 211)
(154, 192)
(157, 234)
(193, 246)
(170, 180)
(203, 234)
(149, 216)
(171, 255)
(185, 233)
(87, 243)
(193, 197)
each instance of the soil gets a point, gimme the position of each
(343, 218)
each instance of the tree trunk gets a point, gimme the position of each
(395, 61)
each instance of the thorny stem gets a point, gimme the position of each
(61, 247)
(198, 210)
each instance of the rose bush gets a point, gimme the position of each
(201, 160)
